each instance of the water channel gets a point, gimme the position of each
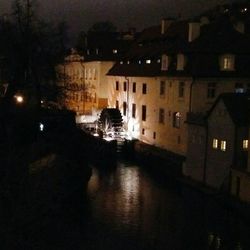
(130, 208)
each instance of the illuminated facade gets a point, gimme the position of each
(84, 78)
(176, 71)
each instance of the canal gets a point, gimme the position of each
(128, 207)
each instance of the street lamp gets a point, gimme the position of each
(19, 99)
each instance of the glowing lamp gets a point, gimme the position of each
(19, 98)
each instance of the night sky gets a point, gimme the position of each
(81, 14)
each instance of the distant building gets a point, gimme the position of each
(83, 75)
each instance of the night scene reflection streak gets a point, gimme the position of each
(131, 210)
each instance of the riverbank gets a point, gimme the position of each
(169, 165)
(39, 177)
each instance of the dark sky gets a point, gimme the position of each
(81, 14)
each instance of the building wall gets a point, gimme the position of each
(70, 75)
(219, 162)
(196, 150)
(162, 134)
(240, 185)
(200, 100)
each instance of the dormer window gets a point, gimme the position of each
(164, 62)
(227, 62)
(181, 60)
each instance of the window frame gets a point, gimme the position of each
(144, 113)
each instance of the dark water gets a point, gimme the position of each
(129, 208)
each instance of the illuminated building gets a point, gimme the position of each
(176, 71)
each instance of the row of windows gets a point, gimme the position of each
(125, 87)
(83, 97)
(90, 74)
(176, 115)
(222, 145)
(211, 88)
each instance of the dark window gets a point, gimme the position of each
(143, 131)
(134, 87)
(181, 89)
(144, 88)
(117, 104)
(211, 90)
(124, 108)
(162, 87)
(125, 86)
(154, 135)
(176, 119)
(144, 112)
(133, 110)
(161, 115)
(116, 85)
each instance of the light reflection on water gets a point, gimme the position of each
(128, 207)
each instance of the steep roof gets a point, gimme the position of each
(202, 54)
(101, 45)
(237, 105)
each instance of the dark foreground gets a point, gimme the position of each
(129, 208)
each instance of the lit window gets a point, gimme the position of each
(41, 126)
(227, 62)
(139, 61)
(176, 120)
(164, 62)
(223, 145)
(121, 62)
(215, 143)
(180, 62)
(115, 51)
(245, 144)
(148, 61)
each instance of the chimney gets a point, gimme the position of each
(165, 23)
(240, 27)
(193, 31)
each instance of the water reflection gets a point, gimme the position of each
(127, 208)
(132, 209)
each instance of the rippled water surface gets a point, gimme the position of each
(129, 208)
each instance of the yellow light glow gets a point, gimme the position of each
(19, 99)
